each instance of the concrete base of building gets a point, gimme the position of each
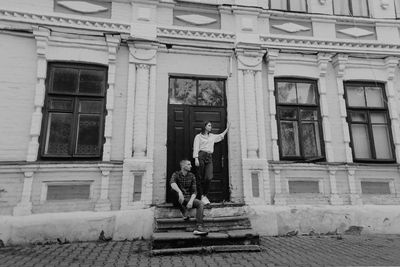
(136, 224)
(76, 226)
(324, 219)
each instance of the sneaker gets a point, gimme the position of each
(205, 200)
(200, 231)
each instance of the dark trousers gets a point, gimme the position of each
(197, 204)
(205, 173)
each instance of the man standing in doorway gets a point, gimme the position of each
(183, 185)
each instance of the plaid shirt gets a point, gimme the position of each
(187, 184)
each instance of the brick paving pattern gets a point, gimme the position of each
(276, 251)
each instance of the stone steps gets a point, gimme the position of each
(228, 226)
(211, 224)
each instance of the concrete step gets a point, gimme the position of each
(206, 249)
(214, 210)
(213, 224)
(179, 239)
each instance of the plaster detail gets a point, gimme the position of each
(24, 207)
(103, 203)
(356, 32)
(82, 6)
(323, 60)
(196, 19)
(272, 57)
(195, 34)
(113, 43)
(291, 27)
(339, 64)
(42, 38)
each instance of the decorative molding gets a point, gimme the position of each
(291, 27)
(306, 44)
(195, 34)
(272, 58)
(384, 4)
(64, 21)
(356, 32)
(339, 63)
(195, 19)
(82, 6)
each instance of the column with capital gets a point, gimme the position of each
(139, 139)
(252, 127)
(24, 207)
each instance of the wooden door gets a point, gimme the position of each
(184, 122)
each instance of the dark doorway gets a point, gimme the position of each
(192, 101)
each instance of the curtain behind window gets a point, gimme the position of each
(278, 4)
(298, 5)
(360, 8)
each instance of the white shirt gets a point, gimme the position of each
(205, 143)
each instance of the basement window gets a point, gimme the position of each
(68, 191)
(376, 188)
(301, 187)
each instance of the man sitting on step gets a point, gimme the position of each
(183, 185)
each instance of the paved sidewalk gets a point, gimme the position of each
(277, 251)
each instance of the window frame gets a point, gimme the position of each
(288, 7)
(299, 107)
(197, 80)
(350, 4)
(368, 110)
(75, 97)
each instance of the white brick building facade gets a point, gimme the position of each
(252, 46)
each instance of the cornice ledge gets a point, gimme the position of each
(330, 45)
(63, 21)
(185, 33)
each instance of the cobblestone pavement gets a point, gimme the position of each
(276, 251)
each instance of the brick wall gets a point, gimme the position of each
(17, 88)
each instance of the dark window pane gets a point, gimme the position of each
(374, 97)
(64, 192)
(58, 134)
(211, 93)
(88, 135)
(65, 80)
(358, 116)
(355, 96)
(289, 138)
(361, 144)
(360, 8)
(288, 113)
(301, 187)
(61, 104)
(382, 144)
(310, 139)
(305, 93)
(378, 118)
(92, 81)
(287, 92)
(182, 91)
(90, 106)
(309, 115)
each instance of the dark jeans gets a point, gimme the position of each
(205, 172)
(197, 204)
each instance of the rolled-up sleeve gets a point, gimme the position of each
(173, 178)
(218, 138)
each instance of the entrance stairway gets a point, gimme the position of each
(229, 230)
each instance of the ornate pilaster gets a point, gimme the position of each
(339, 63)
(334, 197)
(272, 57)
(113, 43)
(391, 64)
(42, 37)
(354, 196)
(323, 60)
(103, 203)
(139, 132)
(24, 207)
(252, 128)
